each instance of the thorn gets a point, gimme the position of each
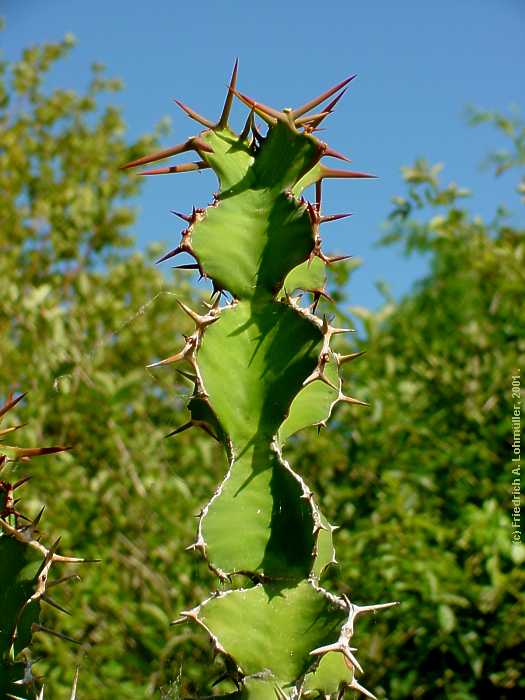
(22, 452)
(178, 621)
(73, 695)
(20, 515)
(329, 259)
(36, 521)
(325, 649)
(341, 359)
(10, 403)
(217, 290)
(222, 677)
(351, 658)
(195, 116)
(12, 429)
(183, 168)
(279, 693)
(54, 604)
(49, 556)
(168, 361)
(21, 482)
(189, 266)
(324, 294)
(318, 194)
(247, 126)
(299, 111)
(190, 312)
(184, 217)
(44, 566)
(201, 145)
(329, 108)
(172, 254)
(318, 375)
(333, 217)
(350, 400)
(268, 114)
(305, 121)
(35, 627)
(64, 579)
(76, 560)
(204, 426)
(181, 429)
(335, 154)
(257, 134)
(355, 685)
(188, 375)
(192, 144)
(313, 213)
(372, 608)
(223, 121)
(200, 321)
(334, 173)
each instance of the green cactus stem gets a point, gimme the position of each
(25, 568)
(262, 368)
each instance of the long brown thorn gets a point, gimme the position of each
(195, 115)
(223, 121)
(299, 111)
(183, 168)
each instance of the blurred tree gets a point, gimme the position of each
(421, 483)
(81, 314)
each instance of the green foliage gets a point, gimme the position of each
(418, 483)
(80, 317)
(250, 358)
(513, 127)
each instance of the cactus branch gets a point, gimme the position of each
(263, 368)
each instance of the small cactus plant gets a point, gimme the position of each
(25, 567)
(262, 367)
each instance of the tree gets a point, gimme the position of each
(81, 315)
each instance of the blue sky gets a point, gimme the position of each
(418, 64)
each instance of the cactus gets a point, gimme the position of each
(25, 567)
(262, 368)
